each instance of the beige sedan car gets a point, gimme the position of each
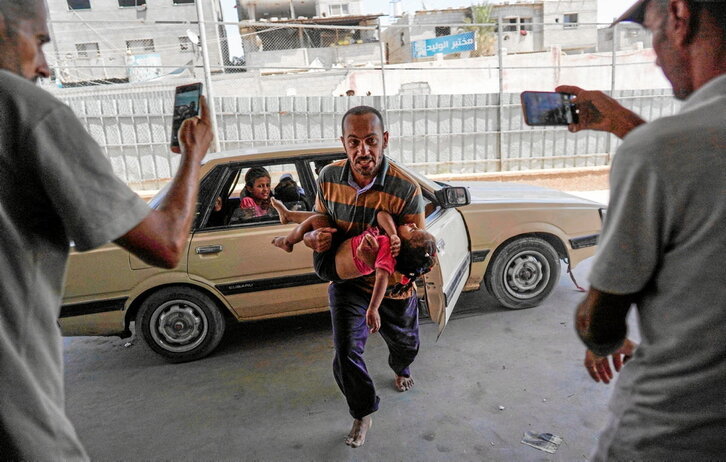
(511, 237)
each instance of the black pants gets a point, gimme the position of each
(399, 329)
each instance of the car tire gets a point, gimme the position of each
(180, 323)
(523, 273)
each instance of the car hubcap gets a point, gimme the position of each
(179, 325)
(526, 274)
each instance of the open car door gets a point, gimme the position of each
(444, 283)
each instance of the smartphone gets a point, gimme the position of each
(186, 105)
(548, 108)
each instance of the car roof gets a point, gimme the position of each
(254, 153)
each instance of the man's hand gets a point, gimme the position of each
(368, 250)
(598, 111)
(195, 134)
(599, 367)
(319, 239)
(395, 245)
(373, 320)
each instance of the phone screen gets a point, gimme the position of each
(186, 105)
(548, 108)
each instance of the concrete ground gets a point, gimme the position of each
(267, 393)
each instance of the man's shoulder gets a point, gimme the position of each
(30, 101)
(400, 178)
(332, 171)
(669, 140)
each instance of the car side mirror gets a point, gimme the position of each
(453, 196)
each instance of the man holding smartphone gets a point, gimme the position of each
(663, 233)
(56, 186)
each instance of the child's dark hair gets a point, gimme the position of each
(415, 259)
(253, 174)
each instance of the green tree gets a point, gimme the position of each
(485, 35)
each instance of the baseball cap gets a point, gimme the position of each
(636, 13)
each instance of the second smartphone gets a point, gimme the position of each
(548, 108)
(186, 105)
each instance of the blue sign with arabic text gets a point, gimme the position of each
(444, 45)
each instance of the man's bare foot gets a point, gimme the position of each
(357, 435)
(282, 211)
(282, 243)
(403, 383)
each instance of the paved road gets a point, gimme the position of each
(267, 393)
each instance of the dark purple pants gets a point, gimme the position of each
(399, 329)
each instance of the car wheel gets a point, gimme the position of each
(180, 323)
(523, 273)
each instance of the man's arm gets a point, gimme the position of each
(598, 111)
(600, 321)
(161, 237)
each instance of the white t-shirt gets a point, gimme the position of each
(665, 239)
(55, 187)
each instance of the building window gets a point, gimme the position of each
(130, 3)
(338, 9)
(510, 24)
(88, 50)
(570, 20)
(443, 31)
(140, 46)
(185, 44)
(79, 4)
(182, 2)
(525, 24)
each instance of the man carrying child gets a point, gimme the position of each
(351, 192)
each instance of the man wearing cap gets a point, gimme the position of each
(661, 248)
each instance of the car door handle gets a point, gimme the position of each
(208, 249)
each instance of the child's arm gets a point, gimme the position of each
(373, 319)
(385, 221)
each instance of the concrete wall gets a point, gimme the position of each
(530, 71)
(624, 36)
(580, 36)
(276, 61)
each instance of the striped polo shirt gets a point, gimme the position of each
(353, 209)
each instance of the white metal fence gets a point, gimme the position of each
(283, 83)
(434, 133)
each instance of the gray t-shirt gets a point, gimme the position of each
(665, 239)
(55, 186)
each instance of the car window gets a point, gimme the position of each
(317, 165)
(241, 204)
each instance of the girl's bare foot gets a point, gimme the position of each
(357, 435)
(282, 243)
(282, 211)
(403, 383)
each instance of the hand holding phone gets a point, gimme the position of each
(548, 108)
(598, 111)
(186, 106)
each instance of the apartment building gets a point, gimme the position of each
(98, 41)
(527, 26)
(273, 10)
